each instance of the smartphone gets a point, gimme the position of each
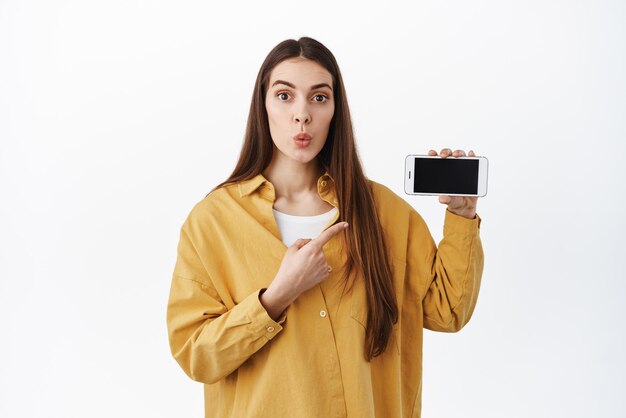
(433, 175)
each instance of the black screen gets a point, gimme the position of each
(445, 175)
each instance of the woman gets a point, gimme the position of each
(283, 310)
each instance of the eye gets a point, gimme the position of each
(324, 97)
(281, 94)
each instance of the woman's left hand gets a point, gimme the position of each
(460, 205)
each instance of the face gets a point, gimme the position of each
(299, 100)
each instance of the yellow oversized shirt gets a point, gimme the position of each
(310, 363)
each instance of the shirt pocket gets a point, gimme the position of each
(358, 312)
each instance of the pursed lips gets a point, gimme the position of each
(302, 139)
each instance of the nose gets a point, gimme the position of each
(302, 119)
(301, 114)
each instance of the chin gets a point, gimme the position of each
(305, 156)
(302, 156)
(304, 159)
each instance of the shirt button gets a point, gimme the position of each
(323, 313)
(270, 329)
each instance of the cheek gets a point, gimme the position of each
(327, 114)
(275, 113)
(270, 110)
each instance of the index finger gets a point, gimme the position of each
(326, 235)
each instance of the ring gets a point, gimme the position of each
(329, 268)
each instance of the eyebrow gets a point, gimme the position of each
(313, 87)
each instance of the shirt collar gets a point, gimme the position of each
(246, 187)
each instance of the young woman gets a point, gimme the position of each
(301, 287)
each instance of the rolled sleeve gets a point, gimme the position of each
(456, 269)
(454, 223)
(261, 324)
(206, 338)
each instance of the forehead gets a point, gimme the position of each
(301, 72)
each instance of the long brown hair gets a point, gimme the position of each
(364, 239)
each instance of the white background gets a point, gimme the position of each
(116, 117)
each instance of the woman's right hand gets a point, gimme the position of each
(304, 266)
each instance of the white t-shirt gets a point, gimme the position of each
(294, 227)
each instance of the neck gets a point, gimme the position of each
(291, 177)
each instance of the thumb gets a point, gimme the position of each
(300, 243)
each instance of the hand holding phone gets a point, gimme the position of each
(460, 205)
(458, 181)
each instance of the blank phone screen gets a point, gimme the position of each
(445, 175)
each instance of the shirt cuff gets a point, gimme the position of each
(460, 224)
(260, 321)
